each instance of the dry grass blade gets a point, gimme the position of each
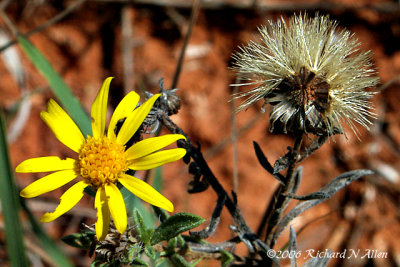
(330, 189)
(318, 262)
(292, 247)
(262, 159)
(10, 205)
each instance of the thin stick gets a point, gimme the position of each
(234, 133)
(127, 52)
(227, 140)
(48, 23)
(388, 84)
(193, 18)
(4, 4)
(385, 7)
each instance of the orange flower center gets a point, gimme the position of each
(101, 161)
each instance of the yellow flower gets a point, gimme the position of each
(102, 160)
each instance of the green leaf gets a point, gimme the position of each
(10, 205)
(171, 246)
(180, 241)
(132, 202)
(150, 252)
(174, 225)
(142, 230)
(138, 221)
(158, 180)
(162, 262)
(138, 263)
(194, 263)
(58, 86)
(178, 261)
(134, 251)
(226, 258)
(81, 240)
(101, 263)
(161, 214)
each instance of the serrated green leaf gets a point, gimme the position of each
(226, 258)
(174, 225)
(81, 240)
(57, 85)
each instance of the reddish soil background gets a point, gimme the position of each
(86, 46)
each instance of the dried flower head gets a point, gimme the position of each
(312, 74)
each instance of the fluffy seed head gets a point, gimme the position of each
(312, 74)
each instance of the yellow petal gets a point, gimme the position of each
(69, 199)
(144, 191)
(117, 207)
(157, 159)
(48, 183)
(63, 127)
(103, 214)
(124, 108)
(134, 120)
(150, 145)
(99, 109)
(45, 164)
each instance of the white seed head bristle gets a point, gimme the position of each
(311, 72)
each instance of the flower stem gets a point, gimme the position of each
(281, 200)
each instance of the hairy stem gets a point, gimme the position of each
(280, 199)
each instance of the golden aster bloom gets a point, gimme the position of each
(312, 74)
(102, 160)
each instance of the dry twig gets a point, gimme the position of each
(43, 26)
(267, 6)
